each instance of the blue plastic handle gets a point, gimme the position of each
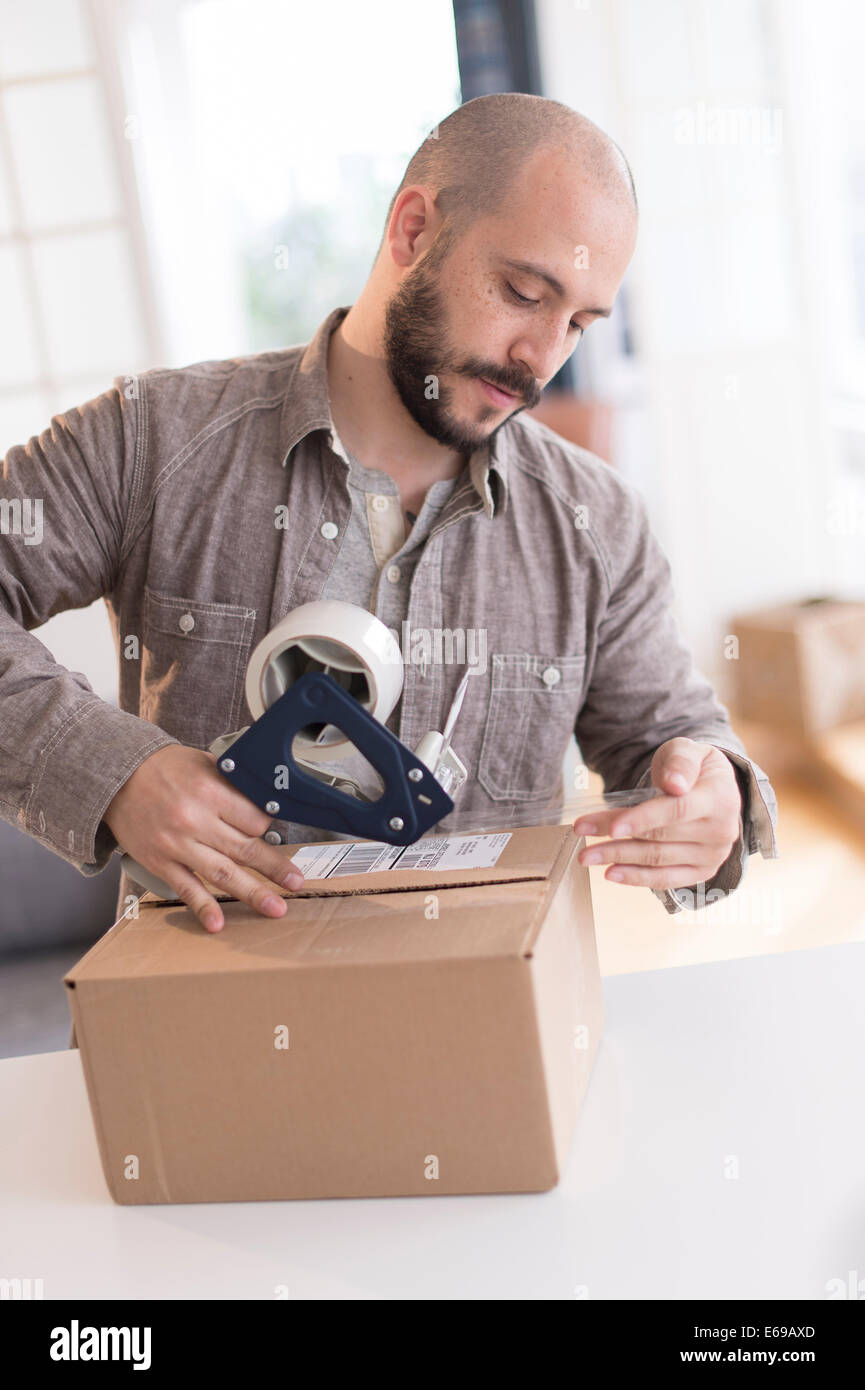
(262, 757)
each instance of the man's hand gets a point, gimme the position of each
(679, 839)
(179, 817)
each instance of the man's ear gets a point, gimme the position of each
(414, 225)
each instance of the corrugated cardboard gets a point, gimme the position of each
(801, 666)
(359, 1046)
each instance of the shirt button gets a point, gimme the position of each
(380, 503)
(273, 837)
(329, 530)
(551, 676)
(186, 623)
(393, 573)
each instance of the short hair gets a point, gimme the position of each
(471, 158)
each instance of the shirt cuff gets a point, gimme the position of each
(78, 773)
(758, 821)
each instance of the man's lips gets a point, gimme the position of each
(496, 394)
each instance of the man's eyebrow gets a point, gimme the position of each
(529, 268)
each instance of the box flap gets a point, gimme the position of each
(365, 918)
(530, 853)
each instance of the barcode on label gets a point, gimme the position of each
(416, 858)
(453, 852)
(359, 860)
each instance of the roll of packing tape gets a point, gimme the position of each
(340, 639)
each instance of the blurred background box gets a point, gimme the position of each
(801, 666)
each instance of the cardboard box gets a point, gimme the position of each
(801, 666)
(405, 1031)
(836, 767)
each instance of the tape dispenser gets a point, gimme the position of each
(320, 686)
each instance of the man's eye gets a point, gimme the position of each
(522, 299)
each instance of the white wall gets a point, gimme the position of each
(711, 103)
(74, 283)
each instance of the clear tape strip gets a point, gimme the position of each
(524, 814)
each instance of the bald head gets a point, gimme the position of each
(473, 159)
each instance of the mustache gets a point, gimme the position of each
(526, 388)
(529, 395)
(512, 391)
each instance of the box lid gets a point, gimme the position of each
(395, 914)
(520, 853)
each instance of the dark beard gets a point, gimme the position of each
(417, 347)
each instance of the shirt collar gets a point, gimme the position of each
(307, 408)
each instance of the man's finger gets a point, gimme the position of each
(636, 820)
(191, 891)
(677, 764)
(652, 853)
(665, 810)
(599, 822)
(271, 861)
(236, 809)
(670, 876)
(225, 875)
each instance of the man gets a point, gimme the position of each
(388, 463)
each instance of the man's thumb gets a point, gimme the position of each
(676, 766)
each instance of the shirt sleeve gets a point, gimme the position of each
(645, 689)
(65, 498)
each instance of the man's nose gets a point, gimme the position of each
(540, 355)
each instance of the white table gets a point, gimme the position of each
(753, 1062)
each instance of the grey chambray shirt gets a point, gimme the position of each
(203, 503)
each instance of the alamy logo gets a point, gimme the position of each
(76, 1343)
(459, 646)
(22, 516)
(21, 1288)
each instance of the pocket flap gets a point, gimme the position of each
(520, 671)
(196, 621)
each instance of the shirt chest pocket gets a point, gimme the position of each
(534, 702)
(193, 665)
